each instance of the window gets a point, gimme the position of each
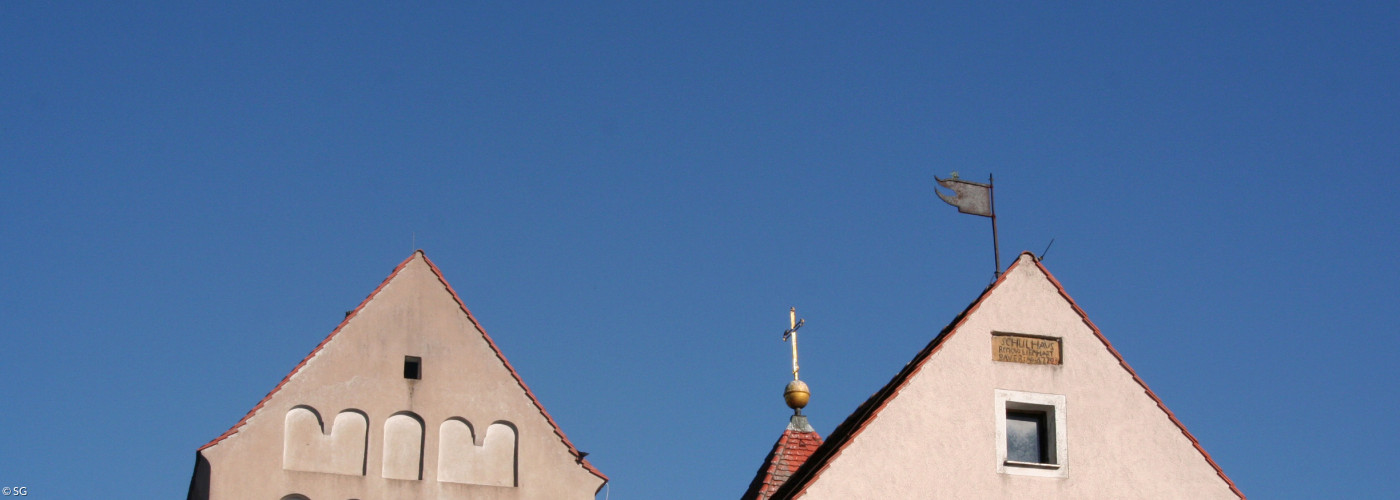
(412, 367)
(1031, 434)
(1026, 438)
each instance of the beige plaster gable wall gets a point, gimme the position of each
(362, 369)
(937, 438)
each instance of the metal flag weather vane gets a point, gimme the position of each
(973, 198)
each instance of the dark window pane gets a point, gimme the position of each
(1025, 437)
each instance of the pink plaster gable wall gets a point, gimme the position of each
(360, 367)
(938, 434)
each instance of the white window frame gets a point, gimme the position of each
(1053, 405)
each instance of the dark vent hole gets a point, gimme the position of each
(413, 367)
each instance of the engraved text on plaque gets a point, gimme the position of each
(1026, 349)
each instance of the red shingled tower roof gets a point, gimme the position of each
(797, 443)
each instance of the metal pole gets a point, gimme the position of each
(992, 200)
(792, 320)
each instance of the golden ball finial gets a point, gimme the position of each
(796, 394)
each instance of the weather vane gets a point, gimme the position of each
(973, 198)
(796, 394)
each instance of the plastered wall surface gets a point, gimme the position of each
(360, 371)
(937, 437)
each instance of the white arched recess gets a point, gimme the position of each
(307, 447)
(460, 460)
(403, 446)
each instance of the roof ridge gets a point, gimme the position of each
(234, 430)
(499, 355)
(1124, 363)
(855, 422)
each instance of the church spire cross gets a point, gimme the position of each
(791, 332)
(796, 394)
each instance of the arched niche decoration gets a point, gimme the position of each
(461, 460)
(307, 446)
(403, 446)
(295, 496)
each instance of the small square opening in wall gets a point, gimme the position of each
(1031, 436)
(412, 367)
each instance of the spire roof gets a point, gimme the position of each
(794, 446)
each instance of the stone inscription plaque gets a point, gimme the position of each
(1025, 349)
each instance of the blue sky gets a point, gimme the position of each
(629, 197)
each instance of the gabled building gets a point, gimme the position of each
(1021, 396)
(407, 398)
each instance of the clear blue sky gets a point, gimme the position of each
(630, 196)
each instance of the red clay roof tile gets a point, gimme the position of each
(793, 448)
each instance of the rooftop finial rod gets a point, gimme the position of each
(791, 332)
(996, 249)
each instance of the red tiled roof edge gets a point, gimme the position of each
(796, 486)
(557, 431)
(234, 430)
(765, 471)
(849, 429)
(1124, 363)
(785, 449)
